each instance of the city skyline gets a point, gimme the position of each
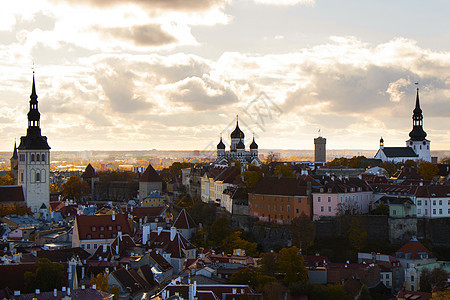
(135, 75)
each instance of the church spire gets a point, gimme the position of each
(417, 133)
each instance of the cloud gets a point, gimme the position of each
(142, 35)
(396, 89)
(202, 93)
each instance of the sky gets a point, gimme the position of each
(174, 74)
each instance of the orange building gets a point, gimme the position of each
(281, 199)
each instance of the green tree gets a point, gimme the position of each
(246, 276)
(302, 231)
(437, 277)
(291, 263)
(100, 281)
(269, 263)
(364, 294)
(75, 189)
(428, 170)
(390, 168)
(251, 178)
(381, 209)
(220, 229)
(234, 241)
(341, 161)
(337, 292)
(48, 276)
(357, 235)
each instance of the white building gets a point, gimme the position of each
(417, 147)
(433, 201)
(33, 168)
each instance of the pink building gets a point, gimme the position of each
(340, 195)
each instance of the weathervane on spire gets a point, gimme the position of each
(417, 85)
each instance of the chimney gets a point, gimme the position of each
(68, 291)
(173, 232)
(113, 216)
(63, 289)
(105, 247)
(55, 292)
(119, 234)
(37, 291)
(94, 286)
(16, 293)
(83, 287)
(159, 230)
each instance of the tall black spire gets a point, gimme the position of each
(33, 139)
(417, 133)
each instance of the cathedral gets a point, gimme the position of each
(31, 161)
(237, 150)
(417, 147)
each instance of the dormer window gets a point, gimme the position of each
(88, 236)
(118, 227)
(102, 228)
(109, 227)
(93, 228)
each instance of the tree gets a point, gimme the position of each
(290, 262)
(381, 209)
(115, 290)
(54, 188)
(357, 235)
(337, 292)
(437, 277)
(75, 189)
(220, 229)
(268, 263)
(100, 281)
(48, 276)
(341, 161)
(283, 171)
(274, 290)
(364, 294)
(428, 170)
(390, 168)
(251, 178)
(445, 160)
(303, 231)
(6, 180)
(246, 276)
(234, 241)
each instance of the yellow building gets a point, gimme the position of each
(153, 200)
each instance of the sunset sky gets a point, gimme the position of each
(173, 74)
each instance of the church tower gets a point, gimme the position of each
(418, 141)
(34, 160)
(14, 160)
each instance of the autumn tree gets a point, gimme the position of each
(338, 161)
(283, 171)
(428, 170)
(75, 189)
(115, 290)
(390, 168)
(364, 294)
(302, 231)
(48, 276)
(337, 292)
(6, 179)
(54, 188)
(234, 241)
(220, 229)
(290, 262)
(251, 178)
(357, 235)
(381, 209)
(100, 281)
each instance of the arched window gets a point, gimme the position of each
(38, 157)
(38, 177)
(32, 157)
(43, 157)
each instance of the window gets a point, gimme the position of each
(329, 199)
(268, 207)
(82, 246)
(38, 157)
(95, 246)
(321, 208)
(93, 228)
(274, 208)
(32, 157)
(426, 211)
(43, 157)
(412, 278)
(22, 157)
(256, 206)
(102, 236)
(440, 202)
(109, 227)
(434, 211)
(419, 211)
(299, 200)
(21, 177)
(88, 246)
(419, 202)
(318, 199)
(387, 276)
(102, 228)
(288, 208)
(342, 200)
(329, 208)
(440, 211)
(38, 177)
(394, 212)
(434, 202)
(281, 208)
(426, 202)
(88, 236)
(388, 284)
(263, 206)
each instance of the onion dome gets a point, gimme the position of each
(237, 133)
(220, 145)
(253, 145)
(240, 145)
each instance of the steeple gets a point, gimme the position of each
(417, 133)
(15, 156)
(381, 143)
(33, 139)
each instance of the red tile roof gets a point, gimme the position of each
(150, 175)
(285, 186)
(184, 221)
(433, 191)
(413, 295)
(92, 227)
(11, 193)
(149, 212)
(415, 248)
